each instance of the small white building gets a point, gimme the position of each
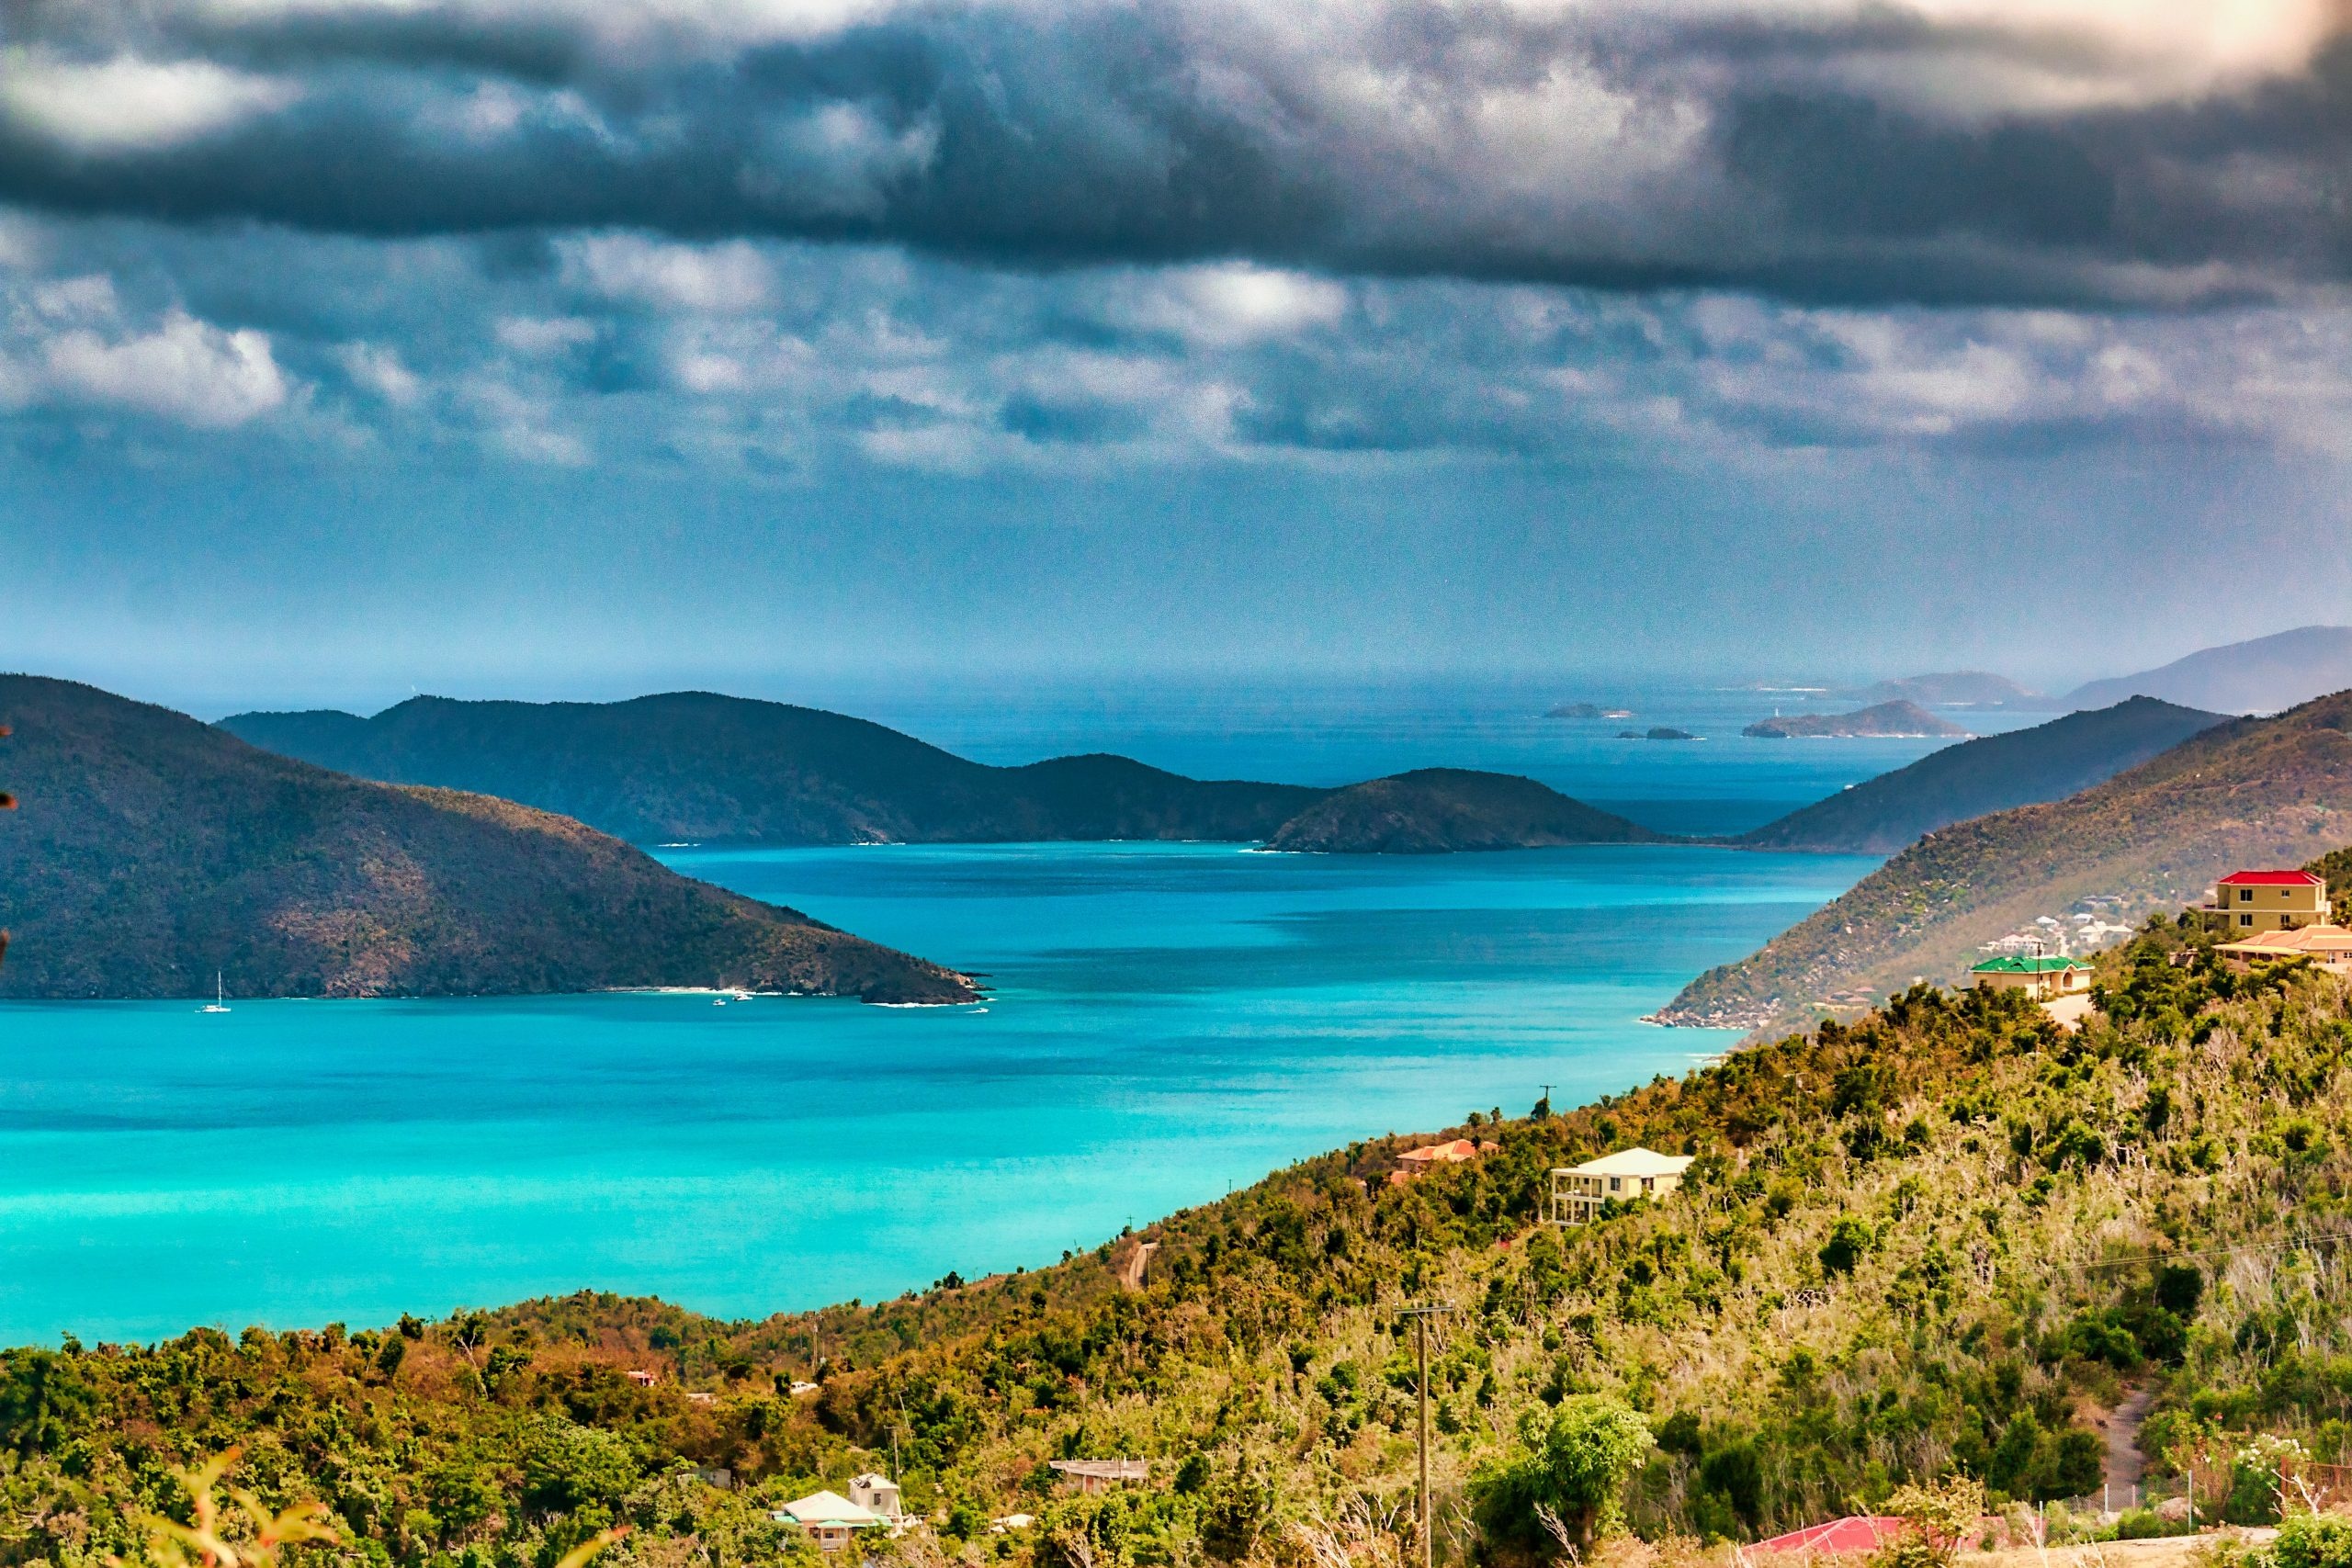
(1579, 1190)
(877, 1495)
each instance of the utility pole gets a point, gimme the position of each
(1420, 1317)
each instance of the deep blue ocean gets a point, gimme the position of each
(1171, 1020)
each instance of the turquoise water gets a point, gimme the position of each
(1172, 1021)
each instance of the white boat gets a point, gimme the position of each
(220, 1002)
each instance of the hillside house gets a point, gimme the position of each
(1579, 1190)
(2328, 947)
(1428, 1157)
(829, 1519)
(2248, 901)
(2041, 976)
(1093, 1475)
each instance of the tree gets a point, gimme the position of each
(1574, 1466)
(40, 1395)
(1937, 1519)
(1848, 1239)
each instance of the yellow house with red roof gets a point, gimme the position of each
(2248, 901)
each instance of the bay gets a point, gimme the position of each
(1171, 1020)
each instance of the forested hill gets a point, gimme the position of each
(1949, 1236)
(1438, 810)
(1993, 773)
(2247, 793)
(152, 851)
(697, 766)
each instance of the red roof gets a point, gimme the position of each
(2272, 879)
(1856, 1532)
(1453, 1153)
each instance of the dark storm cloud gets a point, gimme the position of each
(1876, 157)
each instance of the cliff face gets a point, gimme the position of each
(152, 851)
(1436, 810)
(692, 765)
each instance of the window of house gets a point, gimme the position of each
(2245, 895)
(2245, 919)
(1616, 1185)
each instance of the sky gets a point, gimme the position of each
(574, 348)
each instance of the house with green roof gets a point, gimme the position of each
(2041, 976)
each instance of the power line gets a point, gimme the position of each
(2250, 1249)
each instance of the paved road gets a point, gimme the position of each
(2125, 1462)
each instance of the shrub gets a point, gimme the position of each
(1848, 1239)
(1573, 1466)
(2312, 1541)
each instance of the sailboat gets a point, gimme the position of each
(220, 1002)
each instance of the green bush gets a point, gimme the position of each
(2312, 1541)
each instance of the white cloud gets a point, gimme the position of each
(540, 336)
(128, 103)
(186, 370)
(1228, 306)
(379, 369)
(728, 280)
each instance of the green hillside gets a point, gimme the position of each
(1438, 810)
(697, 766)
(2247, 792)
(1949, 1236)
(2048, 762)
(151, 852)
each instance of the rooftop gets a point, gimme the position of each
(2285, 944)
(1450, 1153)
(2272, 879)
(830, 1508)
(1104, 1469)
(1634, 1162)
(2041, 964)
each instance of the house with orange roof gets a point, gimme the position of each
(2328, 947)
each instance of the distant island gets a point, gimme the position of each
(1896, 720)
(1957, 689)
(692, 766)
(152, 853)
(1586, 710)
(1440, 810)
(699, 767)
(1660, 732)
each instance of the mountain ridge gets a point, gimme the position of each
(1990, 773)
(2264, 674)
(1441, 810)
(706, 767)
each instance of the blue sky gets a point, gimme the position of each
(554, 346)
